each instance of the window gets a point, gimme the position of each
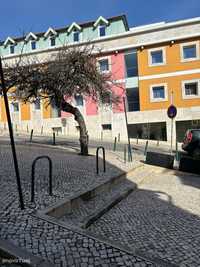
(37, 104)
(33, 45)
(104, 65)
(106, 98)
(52, 41)
(55, 111)
(102, 30)
(132, 96)
(12, 49)
(131, 65)
(158, 92)
(106, 126)
(15, 106)
(76, 35)
(191, 89)
(79, 100)
(190, 51)
(156, 57)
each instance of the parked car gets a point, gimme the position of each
(191, 142)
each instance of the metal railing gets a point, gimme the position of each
(97, 159)
(33, 176)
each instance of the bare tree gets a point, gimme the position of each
(70, 71)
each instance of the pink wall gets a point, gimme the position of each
(118, 72)
(120, 92)
(91, 106)
(117, 66)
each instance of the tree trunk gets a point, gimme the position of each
(83, 130)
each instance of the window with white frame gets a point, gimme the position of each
(12, 49)
(33, 44)
(157, 57)
(79, 100)
(37, 104)
(191, 89)
(52, 41)
(158, 92)
(102, 30)
(190, 51)
(106, 98)
(103, 65)
(76, 36)
(15, 106)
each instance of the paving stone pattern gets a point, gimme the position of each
(85, 208)
(160, 220)
(54, 243)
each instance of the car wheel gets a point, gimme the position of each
(196, 153)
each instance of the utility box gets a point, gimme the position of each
(160, 159)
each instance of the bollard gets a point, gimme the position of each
(146, 147)
(158, 142)
(137, 140)
(101, 135)
(31, 136)
(177, 152)
(124, 153)
(54, 139)
(115, 144)
(118, 137)
(129, 153)
(42, 130)
(27, 128)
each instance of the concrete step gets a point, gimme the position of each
(89, 210)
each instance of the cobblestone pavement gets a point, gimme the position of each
(160, 220)
(59, 245)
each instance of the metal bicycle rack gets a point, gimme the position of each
(97, 159)
(33, 176)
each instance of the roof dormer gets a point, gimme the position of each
(31, 36)
(9, 40)
(101, 20)
(50, 32)
(74, 26)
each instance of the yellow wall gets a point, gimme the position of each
(173, 64)
(25, 111)
(173, 83)
(173, 59)
(2, 110)
(46, 110)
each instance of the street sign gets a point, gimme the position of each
(171, 111)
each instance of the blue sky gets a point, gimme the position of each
(18, 16)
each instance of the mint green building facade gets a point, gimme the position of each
(88, 32)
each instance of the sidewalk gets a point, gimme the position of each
(71, 174)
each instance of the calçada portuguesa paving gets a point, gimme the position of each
(158, 221)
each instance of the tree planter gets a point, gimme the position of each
(160, 159)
